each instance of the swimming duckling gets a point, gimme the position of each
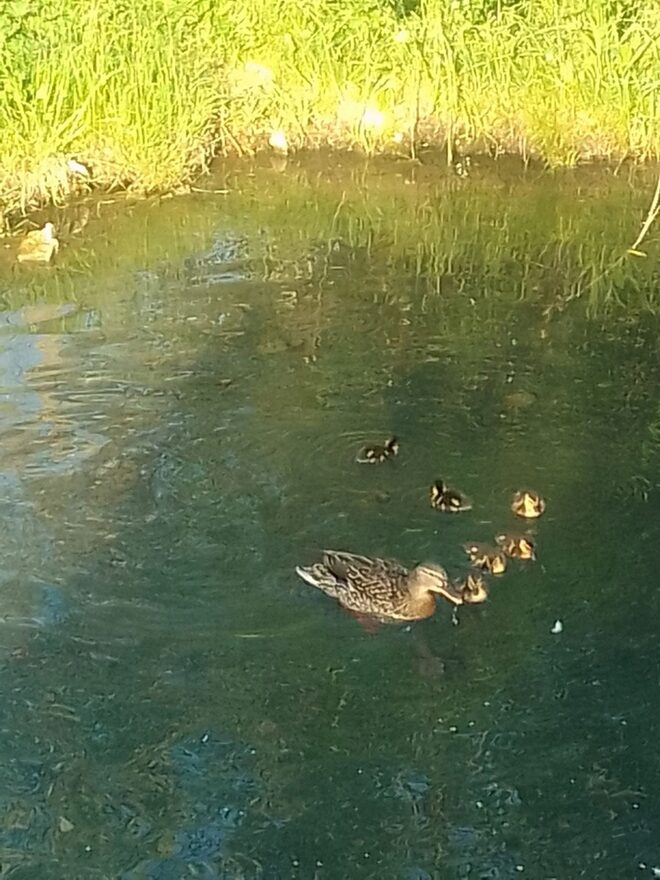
(485, 556)
(376, 453)
(516, 546)
(448, 500)
(38, 246)
(527, 504)
(380, 587)
(472, 589)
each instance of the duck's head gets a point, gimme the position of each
(431, 578)
(438, 489)
(48, 231)
(392, 445)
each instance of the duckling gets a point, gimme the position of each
(527, 504)
(486, 557)
(376, 453)
(38, 246)
(516, 546)
(448, 500)
(472, 589)
(380, 587)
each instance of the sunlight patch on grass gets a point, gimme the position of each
(145, 93)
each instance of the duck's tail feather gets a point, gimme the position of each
(318, 576)
(307, 574)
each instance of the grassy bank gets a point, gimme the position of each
(144, 93)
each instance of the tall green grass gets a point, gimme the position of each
(144, 92)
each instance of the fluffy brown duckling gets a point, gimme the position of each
(527, 504)
(472, 588)
(377, 453)
(448, 500)
(516, 546)
(486, 557)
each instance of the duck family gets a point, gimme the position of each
(386, 590)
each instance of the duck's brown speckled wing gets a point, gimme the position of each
(363, 584)
(350, 566)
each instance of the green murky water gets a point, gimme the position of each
(182, 397)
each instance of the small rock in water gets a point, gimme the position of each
(557, 627)
(65, 825)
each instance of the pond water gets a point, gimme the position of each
(182, 398)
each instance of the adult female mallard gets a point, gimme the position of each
(472, 588)
(527, 504)
(448, 500)
(486, 557)
(516, 546)
(38, 246)
(376, 453)
(380, 587)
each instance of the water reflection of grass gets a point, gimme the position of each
(554, 242)
(143, 93)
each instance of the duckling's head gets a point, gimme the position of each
(473, 589)
(48, 231)
(497, 563)
(392, 445)
(438, 489)
(528, 504)
(526, 548)
(517, 546)
(431, 578)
